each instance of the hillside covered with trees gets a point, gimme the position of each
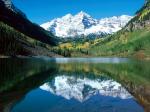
(19, 36)
(133, 40)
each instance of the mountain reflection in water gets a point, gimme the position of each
(76, 85)
(81, 89)
(72, 93)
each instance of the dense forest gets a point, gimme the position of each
(15, 43)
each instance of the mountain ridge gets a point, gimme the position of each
(82, 24)
(132, 41)
(10, 16)
(10, 5)
(19, 36)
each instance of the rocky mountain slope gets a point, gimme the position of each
(82, 24)
(8, 4)
(142, 18)
(13, 17)
(132, 40)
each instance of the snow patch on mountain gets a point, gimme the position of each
(82, 24)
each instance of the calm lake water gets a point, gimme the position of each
(74, 85)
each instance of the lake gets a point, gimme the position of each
(42, 84)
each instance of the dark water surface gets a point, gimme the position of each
(74, 85)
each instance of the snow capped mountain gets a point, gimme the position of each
(82, 24)
(81, 89)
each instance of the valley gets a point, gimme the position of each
(60, 56)
(77, 35)
(131, 41)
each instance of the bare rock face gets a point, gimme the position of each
(10, 5)
(142, 18)
(7, 3)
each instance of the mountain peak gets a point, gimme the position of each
(81, 13)
(83, 24)
(67, 16)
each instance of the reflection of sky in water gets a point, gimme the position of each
(72, 94)
(86, 60)
(92, 60)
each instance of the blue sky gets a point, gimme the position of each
(40, 11)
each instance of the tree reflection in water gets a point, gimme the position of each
(20, 77)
